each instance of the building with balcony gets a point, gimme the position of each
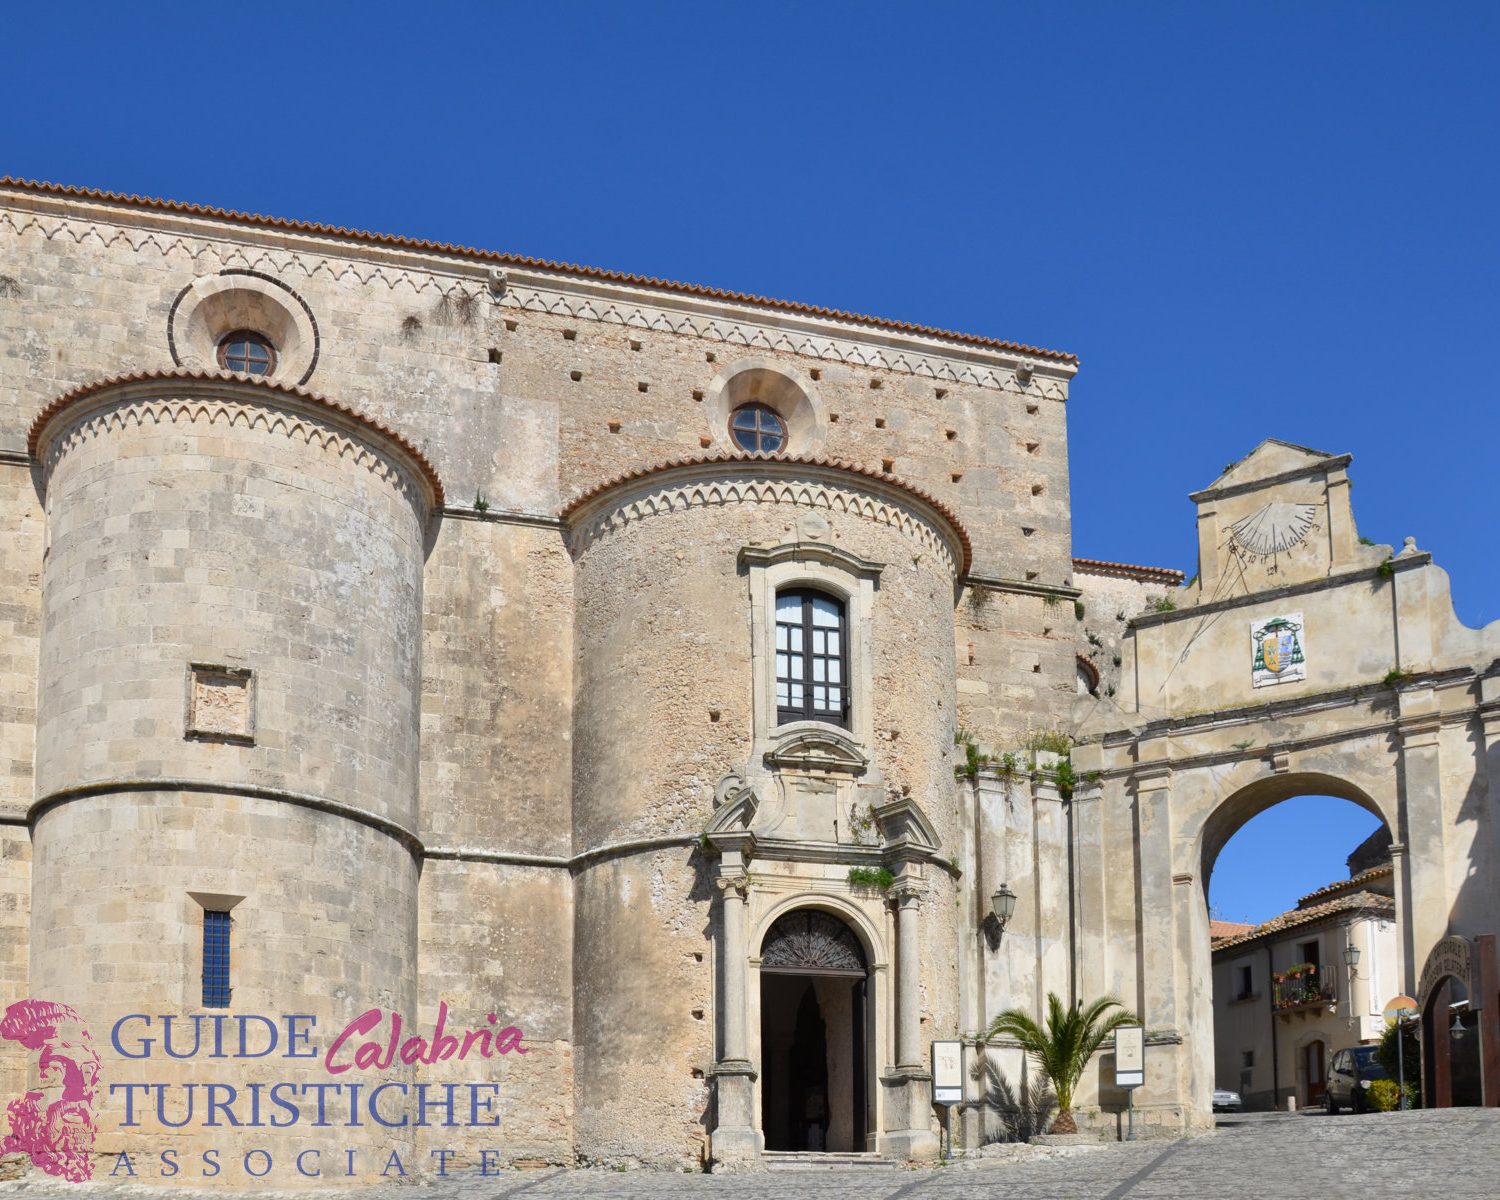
(1284, 999)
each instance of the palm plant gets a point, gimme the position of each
(1062, 1050)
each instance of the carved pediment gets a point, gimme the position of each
(905, 826)
(729, 827)
(1273, 459)
(823, 749)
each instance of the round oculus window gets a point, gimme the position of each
(247, 353)
(757, 428)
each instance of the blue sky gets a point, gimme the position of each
(1249, 220)
(1274, 859)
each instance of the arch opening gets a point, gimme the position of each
(1304, 941)
(1452, 1075)
(816, 1022)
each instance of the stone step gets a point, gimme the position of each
(810, 1160)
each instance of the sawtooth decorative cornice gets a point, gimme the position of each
(154, 397)
(738, 479)
(172, 228)
(640, 308)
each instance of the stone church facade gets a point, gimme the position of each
(446, 631)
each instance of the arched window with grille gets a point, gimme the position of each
(812, 658)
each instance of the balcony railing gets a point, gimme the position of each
(1302, 987)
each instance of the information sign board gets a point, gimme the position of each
(1130, 1056)
(947, 1072)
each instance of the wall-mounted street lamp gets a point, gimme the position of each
(1003, 904)
(1351, 957)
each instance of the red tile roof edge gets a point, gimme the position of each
(542, 264)
(1092, 666)
(43, 418)
(1344, 885)
(1099, 566)
(1303, 916)
(707, 460)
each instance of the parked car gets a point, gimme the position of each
(1226, 1101)
(1349, 1078)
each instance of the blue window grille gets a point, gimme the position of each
(215, 959)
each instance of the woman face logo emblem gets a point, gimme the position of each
(53, 1123)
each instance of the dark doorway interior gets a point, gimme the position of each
(1451, 1049)
(813, 1036)
(813, 1068)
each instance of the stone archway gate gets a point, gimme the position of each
(1302, 660)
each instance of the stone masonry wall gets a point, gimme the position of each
(408, 338)
(20, 629)
(664, 711)
(549, 726)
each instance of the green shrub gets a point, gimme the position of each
(1053, 740)
(1411, 1052)
(1384, 1095)
(974, 761)
(870, 877)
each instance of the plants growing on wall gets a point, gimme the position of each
(1053, 741)
(974, 760)
(877, 878)
(862, 825)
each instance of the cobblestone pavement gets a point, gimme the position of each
(1450, 1153)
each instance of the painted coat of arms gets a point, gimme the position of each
(1278, 650)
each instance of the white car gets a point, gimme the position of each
(1226, 1101)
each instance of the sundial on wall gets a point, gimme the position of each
(1273, 530)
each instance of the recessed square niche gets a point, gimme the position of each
(220, 704)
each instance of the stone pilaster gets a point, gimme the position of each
(1421, 822)
(1488, 839)
(908, 1086)
(735, 1139)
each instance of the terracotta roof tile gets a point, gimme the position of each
(428, 472)
(1217, 930)
(540, 264)
(1354, 902)
(1344, 885)
(1099, 566)
(836, 464)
